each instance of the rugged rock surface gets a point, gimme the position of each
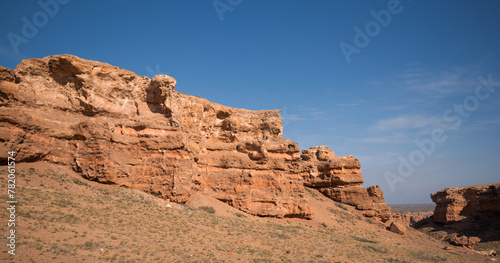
(339, 178)
(116, 127)
(464, 241)
(397, 228)
(465, 216)
(411, 218)
(456, 204)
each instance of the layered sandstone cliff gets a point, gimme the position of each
(116, 127)
(456, 204)
(339, 178)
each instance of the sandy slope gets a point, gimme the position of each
(64, 218)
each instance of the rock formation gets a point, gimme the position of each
(397, 228)
(464, 241)
(339, 178)
(116, 127)
(456, 204)
(411, 218)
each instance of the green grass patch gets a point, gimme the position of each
(207, 209)
(426, 256)
(78, 182)
(364, 240)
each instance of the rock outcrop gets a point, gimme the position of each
(411, 218)
(116, 127)
(339, 178)
(464, 241)
(397, 228)
(456, 204)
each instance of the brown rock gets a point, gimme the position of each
(364, 199)
(464, 241)
(369, 213)
(7, 85)
(339, 178)
(116, 127)
(455, 204)
(411, 218)
(397, 228)
(489, 253)
(6, 75)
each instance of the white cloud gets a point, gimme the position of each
(292, 117)
(318, 115)
(435, 84)
(305, 114)
(348, 105)
(490, 121)
(431, 82)
(404, 122)
(393, 137)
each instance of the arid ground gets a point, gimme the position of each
(62, 217)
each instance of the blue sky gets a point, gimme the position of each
(406, 74)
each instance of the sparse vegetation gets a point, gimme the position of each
(341, 206)
(343, 214)
(72, 220)
(240, 215)
(376, 248)
(426, 256)
(78, 182)
(360, 239)
(207, 209)
(313, 194)
(397, 260)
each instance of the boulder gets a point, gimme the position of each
(397, 228)
(488, 253)
(464, 241)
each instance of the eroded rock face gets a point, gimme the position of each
(455, 204)
(411, 218)
(339, 178)
(464, 241)
(116, 127)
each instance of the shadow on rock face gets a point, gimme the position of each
(158, 93)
